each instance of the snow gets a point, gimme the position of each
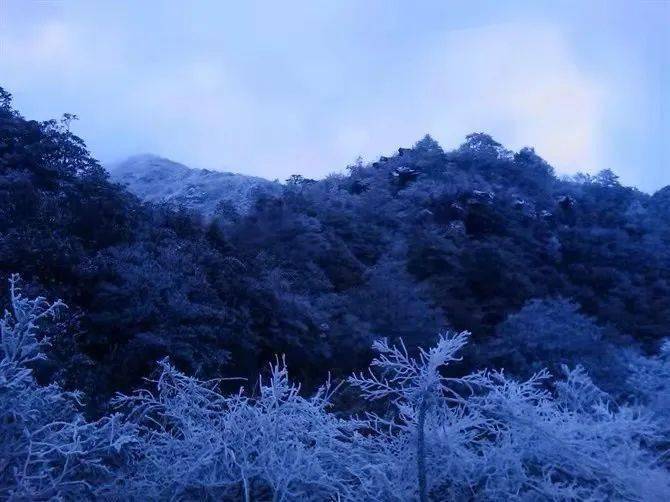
(160, 180)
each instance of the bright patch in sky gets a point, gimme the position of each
(273, 89)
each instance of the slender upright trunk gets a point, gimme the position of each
(245, 484)
(421, 451)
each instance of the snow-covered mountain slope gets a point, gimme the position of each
(156, 179)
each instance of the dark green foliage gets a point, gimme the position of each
(551, 333)
(403, 247)
(142, 282)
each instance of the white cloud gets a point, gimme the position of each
(520, 84)
(47, 46)
(307, 92)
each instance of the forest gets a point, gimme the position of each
(433, 325)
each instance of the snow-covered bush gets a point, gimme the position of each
(199, 443)
(47, 449)
(651, 380)
(486, 436)
(569, 443)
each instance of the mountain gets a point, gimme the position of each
(156, 179)
(547, 273)
(479, 238)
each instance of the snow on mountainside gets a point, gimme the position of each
(156, 179)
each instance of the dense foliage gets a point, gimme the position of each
(479, 238)
(481, 436)
(563, 282)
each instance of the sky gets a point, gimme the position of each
(277, 88)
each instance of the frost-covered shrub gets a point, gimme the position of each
(650, 377)
(489, 437)
(482, 436)
(199, 443)
(571, 443)
(47, 449)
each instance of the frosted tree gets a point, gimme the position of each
(47, 449)
(569, 443)
(427, 404)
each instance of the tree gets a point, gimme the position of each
(428, 145)
(550, 333)
(5, 99)
(416, 388)
(48, 450)
(607, 178)
(486, 436)
(394, 306)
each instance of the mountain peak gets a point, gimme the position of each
(160, 180)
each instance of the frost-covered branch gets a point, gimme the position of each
(480, 436)
(47, 449)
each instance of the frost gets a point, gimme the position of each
(47, 449)
(477, 436)
(159, 180)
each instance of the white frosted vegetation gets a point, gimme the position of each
(47, 449)
(482, 436)
(160, 180)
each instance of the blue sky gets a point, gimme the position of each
(275, 88)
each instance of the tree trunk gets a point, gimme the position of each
(245, 485)
(421, 452)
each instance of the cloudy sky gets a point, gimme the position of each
(275, 88)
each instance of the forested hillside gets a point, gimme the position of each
(478, 238)
(569, 275)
